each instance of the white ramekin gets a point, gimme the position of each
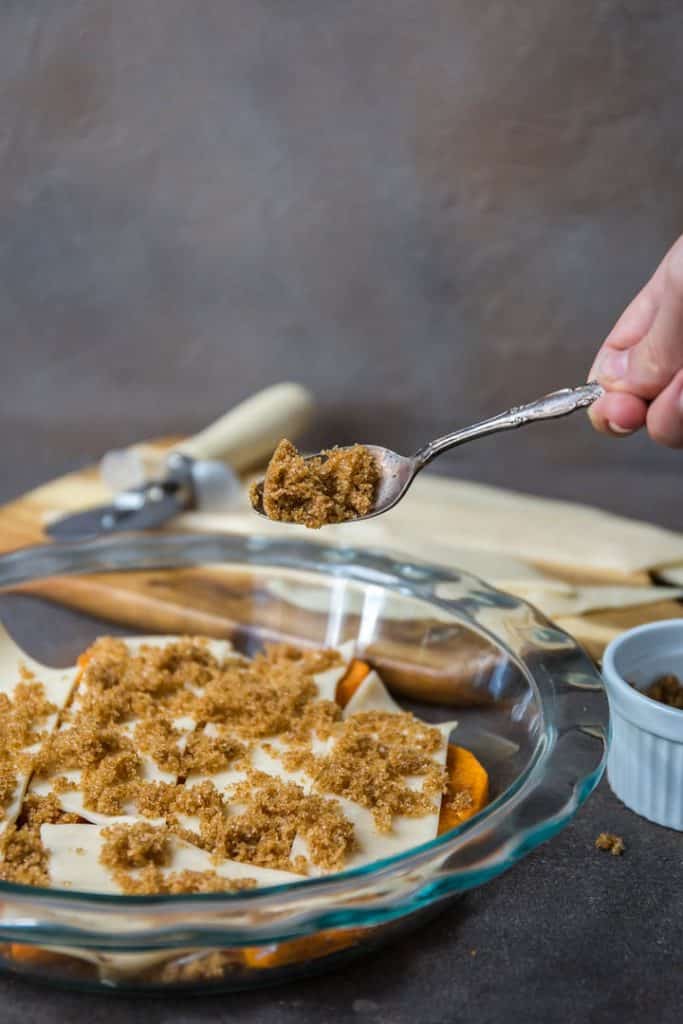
(645, 759)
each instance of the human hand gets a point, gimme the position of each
(641, 361)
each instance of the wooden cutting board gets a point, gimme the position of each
(158, 602)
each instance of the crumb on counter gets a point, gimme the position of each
(610, 844)
(333, 488)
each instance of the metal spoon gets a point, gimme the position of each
(397, 472)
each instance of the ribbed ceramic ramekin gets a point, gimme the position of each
(645, 760)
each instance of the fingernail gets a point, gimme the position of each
(616, 429)
(613, 364)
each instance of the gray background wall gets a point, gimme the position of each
(426, 210)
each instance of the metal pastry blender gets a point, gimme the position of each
(397, 472)
(199, 472)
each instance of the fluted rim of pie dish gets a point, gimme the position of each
(565, 767)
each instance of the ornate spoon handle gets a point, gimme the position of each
(550, 407)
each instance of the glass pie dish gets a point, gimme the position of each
(529, 705)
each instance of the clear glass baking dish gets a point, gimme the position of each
(530, 705)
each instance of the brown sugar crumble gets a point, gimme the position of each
(458, 801)
(275, 811)
(667, 689)
(153, 732)
(333, 488)
(23, 718)
(373, 755)
(610, 843)
(25, 860)
(135, 846)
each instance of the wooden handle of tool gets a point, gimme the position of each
(248, 433)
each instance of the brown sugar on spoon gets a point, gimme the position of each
(339, 486)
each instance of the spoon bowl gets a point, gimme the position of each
(397, 472)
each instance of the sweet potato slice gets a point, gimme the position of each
(28, 954)
(310, 947)
(35, 955)
(349, 683)
(468, 788)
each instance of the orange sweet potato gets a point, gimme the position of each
(468, 788)
(32, 955)
(349, 683)
(310, 947)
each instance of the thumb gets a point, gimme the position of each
(647, 367)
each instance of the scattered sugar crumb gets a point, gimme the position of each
(610, 844)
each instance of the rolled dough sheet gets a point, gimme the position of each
(555, 598)
(447, 516)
